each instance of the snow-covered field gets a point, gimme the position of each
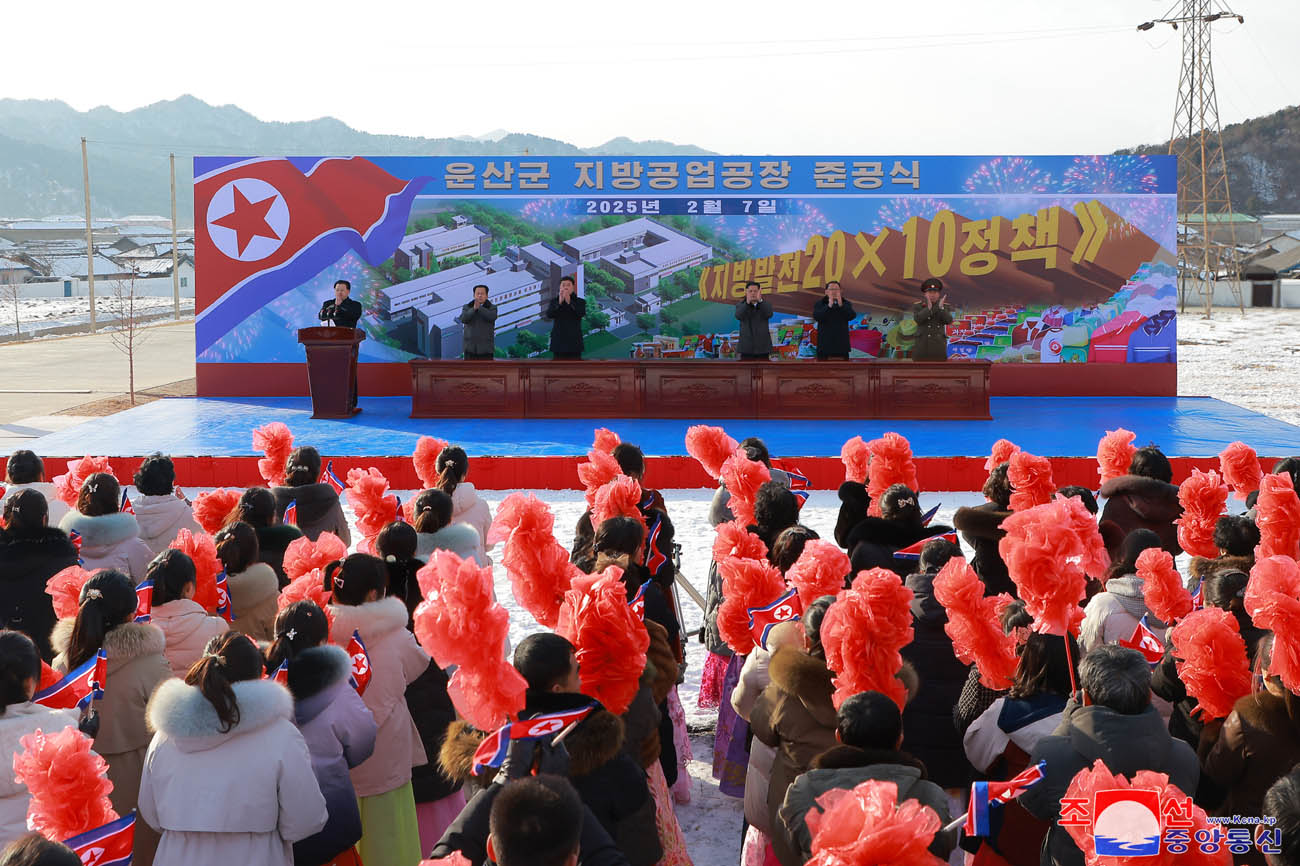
(1251, 360)
(42, 314)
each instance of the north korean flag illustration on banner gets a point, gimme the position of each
(266, 225)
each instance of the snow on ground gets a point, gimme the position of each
(43, 314)
(1251, 360)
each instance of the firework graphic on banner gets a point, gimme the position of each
(894, 212)
(1098, 175)
(777, 233)
(1009, 175)
(545, 212)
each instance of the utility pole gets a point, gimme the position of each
(176, 268)
(90, 237)
(1197, 141)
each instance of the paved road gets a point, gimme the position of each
(43, 377)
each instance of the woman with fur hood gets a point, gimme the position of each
(391, 835)
(161, 510)
(185, 624)
(30, 554)
(1113, 615)
(253, 587)
(873, 542)
(1258, 743)
(432, 518)
(466, 505)
(317, 503)
(228, 778)
(20, 671)
(1145, 498)
(110, 537)
(136, 665)
(334, 721)
(1236, 537)
(608, 780)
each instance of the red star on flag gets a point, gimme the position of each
(248, 220)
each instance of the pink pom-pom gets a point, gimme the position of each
(371, 502)
(489, 694)
(308, 586)
(303, 555)
(611, 640)
(1031, 480)
(1211, 659)
(1203, 497)
(539, 568)
(821, 569)
(711, 446)
(856, 457)
(1003, 449)
(891, 463)
(1049, 551)
(212, 508)
(867, 826)
(1088, 781)
(619, 498)
(64, 589)
(1240, 467)
(68, 486)
(600, 469)
(605, 440)
(425, 459)
(742, 478)
(199, 547)
(735, 540)
(1162, 586)
(974, 624)
(1114, 453)
(1273, 602)
(276, 442)
(455, 858)
(68, 782)
(1277, 514)
(746, 583)
(863, 632)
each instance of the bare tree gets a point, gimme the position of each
(11, 292)
(127, 332)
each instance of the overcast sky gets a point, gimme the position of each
(827, 76)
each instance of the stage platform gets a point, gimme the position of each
(211, 440)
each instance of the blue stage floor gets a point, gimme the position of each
(1048, 426)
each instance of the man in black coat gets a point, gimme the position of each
(566, 311)
(833, 314)
(342, 312)
(479, 317)
(753, 313)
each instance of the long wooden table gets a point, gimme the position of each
(700, 389)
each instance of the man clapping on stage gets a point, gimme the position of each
(479, 317)
(833, 315)
(754, 313)
(566, 311)
(342, 312)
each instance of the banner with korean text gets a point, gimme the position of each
(1055, 259)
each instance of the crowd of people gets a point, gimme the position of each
(276, 687)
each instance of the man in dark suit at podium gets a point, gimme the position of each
(342, 312)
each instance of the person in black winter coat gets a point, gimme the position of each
(981, 528)
(566, 311)
(873, 542)
(316, 502)
(754, 313)
(256, 507)
(30, 554)
(833, 315)
(927, 718)
(854, 503)
(1145, 498)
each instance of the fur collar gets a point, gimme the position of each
(456, 755)
(464, 497)
(253, 585)
(460, 538)
(315, 670)
(806, 679)
(1138, 485)
(128, 641)
(104, 530)
(981, 521)
(373, 619)
(47, 541)
(842, 757)
(181, 711)
(1200, 568)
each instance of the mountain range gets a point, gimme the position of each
(40, 153)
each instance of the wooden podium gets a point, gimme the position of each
(332, 370)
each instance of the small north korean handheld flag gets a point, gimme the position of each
(361, 671)
(763, 619)
(492, 752)
(144, 601)
(109, 845)
(913, 551)
(78, 688)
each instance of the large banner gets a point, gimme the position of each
(1055, 259)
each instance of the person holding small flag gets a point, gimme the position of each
(1114, 614)
(252, 584)
(183, 621)
(337, 726)
(873, 541)
(228, 777)
(136, 665)
(31, 552)
(317, 500)
(20, 671)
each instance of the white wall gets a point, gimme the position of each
(148, 287)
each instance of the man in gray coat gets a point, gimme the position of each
(753, 314)
(479, 317)
(1115, 724)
